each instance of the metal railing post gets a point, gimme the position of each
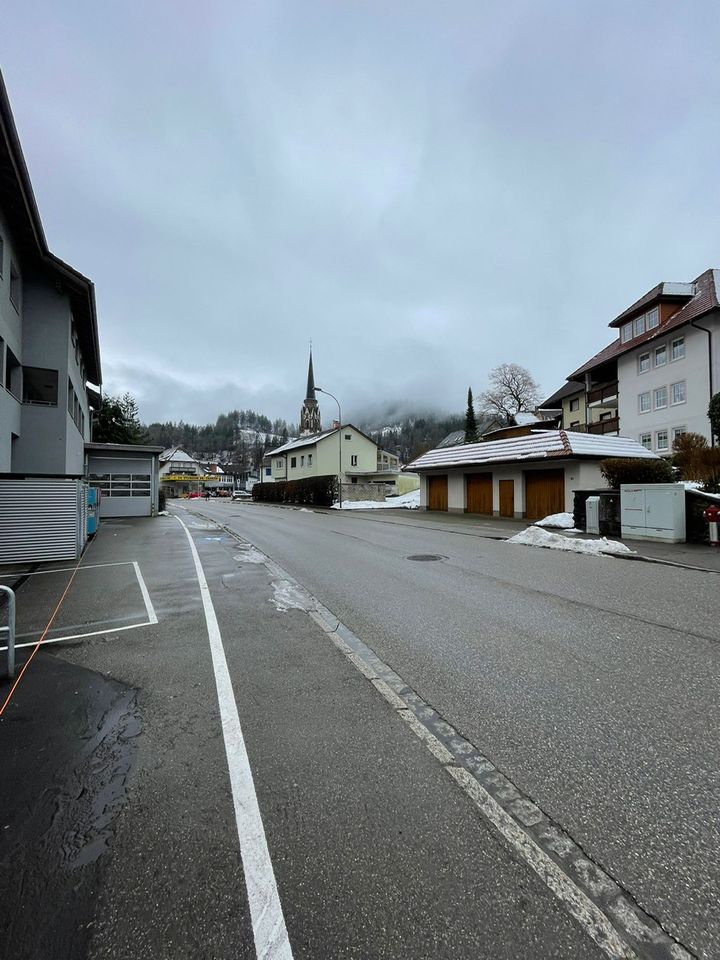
(10, 629)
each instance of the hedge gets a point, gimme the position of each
(619, 470)
(316, 491)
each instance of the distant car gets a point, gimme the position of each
(241, 495)
(194, 496)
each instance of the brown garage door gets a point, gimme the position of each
(544, 493)
(438, 493)
(479, 493)
(507, 498)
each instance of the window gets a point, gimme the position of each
(353, 460)
(644, 402)
(661, 355)
(646, 440)
(574, 424)
(661, 440)
(40, 386)
(293, 461)
(348, 436)
(608, 415)
(302, 460)
(639, 325)
(268, 471)
(677, 350)
(309, 459)
(122, 484)
(14, 287)
(626, 332)
(643, 363)
(13, 374)
(652, 318)
(660, 398)
(279, 464)
(678, 393)
(575, 404)
(678, 432)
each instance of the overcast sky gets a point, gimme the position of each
(426, 189)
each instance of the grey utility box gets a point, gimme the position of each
(653, 511)
(592, 515)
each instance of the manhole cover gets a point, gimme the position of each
(427, 556)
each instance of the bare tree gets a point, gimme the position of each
(513, 389)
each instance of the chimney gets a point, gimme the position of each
(336, 425)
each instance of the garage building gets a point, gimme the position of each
(531, 477)
(127, 476)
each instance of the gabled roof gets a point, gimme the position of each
(176, 453)
(19, 206)
(573, 386)
(539, 445)
(314, 438)
(705, 298)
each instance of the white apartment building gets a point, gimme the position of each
(664, 367)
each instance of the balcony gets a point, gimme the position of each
(604, 395)
(611, 425)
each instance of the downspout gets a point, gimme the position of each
(697, 326)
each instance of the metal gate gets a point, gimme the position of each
(42, 519)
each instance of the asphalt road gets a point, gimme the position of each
(501, 753)
(590, 683)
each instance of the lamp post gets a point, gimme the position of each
(327, 393)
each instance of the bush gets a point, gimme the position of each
(619, 470)
(316, 491)
(688, 450)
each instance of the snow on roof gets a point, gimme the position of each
(301, 442)
(539, 445)
(524, 418)
(176, 453)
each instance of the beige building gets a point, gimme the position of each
(341, 451)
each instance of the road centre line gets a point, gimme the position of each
(606, 912)
(268, 922)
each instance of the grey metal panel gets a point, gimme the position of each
(126, 507)
(41, 520)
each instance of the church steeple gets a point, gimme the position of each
(310, 411)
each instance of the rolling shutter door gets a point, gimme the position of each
(125, 484)
(41, 520)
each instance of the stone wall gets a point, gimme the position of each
(366, 491)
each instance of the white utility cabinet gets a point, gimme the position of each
(653, 511)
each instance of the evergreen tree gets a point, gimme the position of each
(471, 428)
(117, 421)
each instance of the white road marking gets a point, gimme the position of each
(81, 636)
(593, 920)
(269, 931)
(85, 566)
(152, 616)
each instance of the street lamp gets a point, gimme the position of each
(327, 393)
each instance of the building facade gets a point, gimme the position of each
(49, 350)
(661, 371)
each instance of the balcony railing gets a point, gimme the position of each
(611, 425)
(604, 395)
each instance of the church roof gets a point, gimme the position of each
(310, 393)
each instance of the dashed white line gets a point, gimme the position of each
(268, 922)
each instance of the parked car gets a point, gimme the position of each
(241, 495)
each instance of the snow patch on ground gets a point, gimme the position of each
(289, 597)
(250, 555)
(561, 521)
(537, 537)
(410, 501)
(163, 513)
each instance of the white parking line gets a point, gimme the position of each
(268, 922)
(151, 620)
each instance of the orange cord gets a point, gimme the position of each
(44, 633)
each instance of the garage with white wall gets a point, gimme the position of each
(127, 476)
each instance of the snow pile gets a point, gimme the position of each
(561, 521)
(410, 501)
(537, 537)
(289, 596)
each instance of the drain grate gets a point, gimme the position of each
(427, 556)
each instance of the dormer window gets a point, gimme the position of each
(626, 332)
(638, 326)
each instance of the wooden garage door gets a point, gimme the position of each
(544, 493)
(479, 493)
(507, 498)
(438, 493)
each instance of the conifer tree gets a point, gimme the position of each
(471, 428)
